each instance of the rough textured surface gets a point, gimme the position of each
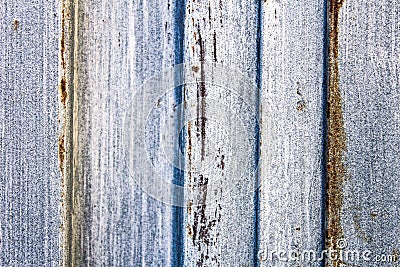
(279, 133)
(368, 79)
(30, 179)
(336, 136)
(220, 125)
(291, 146)
(117, 46)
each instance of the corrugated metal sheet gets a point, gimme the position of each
(199, 133)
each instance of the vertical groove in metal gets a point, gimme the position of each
(325, 88)
(257, 150)
(177, 257)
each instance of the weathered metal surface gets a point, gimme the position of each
(291, 145)
(30, 179)
(364, 67)
(221, 132)
(117, 46)
(221, 107)
(279, 134)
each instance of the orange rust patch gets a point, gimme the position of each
(336, 135)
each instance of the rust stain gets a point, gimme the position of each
(336, 135)
(203, 225)
(201, 98)
(70, 221)
(62, 92)
(190, 231)
(215, 46)
(63, 82)
(189, 207)
(301, 106)
(61, 153)
(374, 215)
(202, 230)
(63, 38)
(16, 24)
(195, 69)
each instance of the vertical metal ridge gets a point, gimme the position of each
(66, 143)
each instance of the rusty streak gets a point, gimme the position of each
(61, 152)
(215, 46)
(62, 92)
(201, 94)
(63, 82)
(201, 231)
(336, 135)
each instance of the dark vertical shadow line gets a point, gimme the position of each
(257, 135)
(325, 92)
(177, 257)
